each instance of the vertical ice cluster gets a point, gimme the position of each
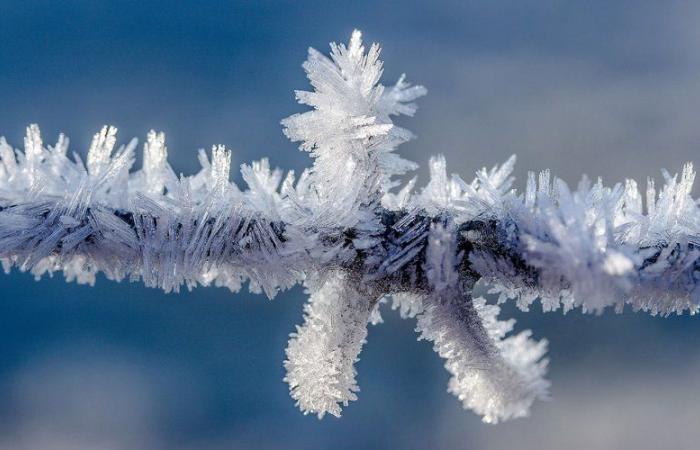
(350, 135)
(356, 240)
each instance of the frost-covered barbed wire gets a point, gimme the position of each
(343, 230)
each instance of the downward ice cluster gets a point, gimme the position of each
(357, 240)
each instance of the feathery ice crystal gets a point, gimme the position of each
(355, 243)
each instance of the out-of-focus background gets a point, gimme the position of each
(607, 88)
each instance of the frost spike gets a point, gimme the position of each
(322, 353)
(497, 377)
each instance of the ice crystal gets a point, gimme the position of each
(344, 230)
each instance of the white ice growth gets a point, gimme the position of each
(497, 377)
(340, 229)
(322, 353)
(595, 248)
(349, 132)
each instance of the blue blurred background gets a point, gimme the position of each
(608, 88)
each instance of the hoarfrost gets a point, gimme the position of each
(345, 231)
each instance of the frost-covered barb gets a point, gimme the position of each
(356, 241)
